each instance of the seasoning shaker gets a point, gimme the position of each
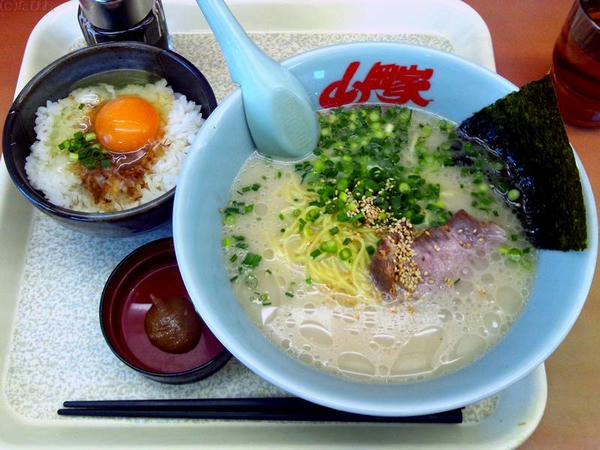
(123, 20)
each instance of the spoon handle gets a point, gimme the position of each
(244, 58)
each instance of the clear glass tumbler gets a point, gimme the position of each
(576, 65)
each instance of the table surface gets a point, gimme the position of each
(523, 33)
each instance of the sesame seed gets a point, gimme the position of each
(406, 272)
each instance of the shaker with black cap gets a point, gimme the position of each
(123, 20)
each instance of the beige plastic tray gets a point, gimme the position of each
(518, 409)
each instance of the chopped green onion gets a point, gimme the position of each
(482, 188)
(279, 174)
(232, 279)
(342, 217)
(347, 241)
(345, 254)
(445, 125)
(405, 115)
(308, 280)
(514, 254)
(315, 253)
(289, 294)
(425, 130)
(318, 165)
(513, 195)
(239, 238)
(233, 258)
(329, 246)
(255, 187)
(302, 223)
(313, 215)
(227, 241)
(264, 299)
(342, 184)
(333, 231)
(370, 249)
(88, 137)
(252, 260)
(241, 245)
(229, 220)
(73, 156)
(281, 216)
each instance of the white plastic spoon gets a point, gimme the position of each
(278, 111)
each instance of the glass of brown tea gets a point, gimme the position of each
(576, 65)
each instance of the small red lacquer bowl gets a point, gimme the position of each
(152, 269)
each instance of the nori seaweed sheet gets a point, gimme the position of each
(525, 131)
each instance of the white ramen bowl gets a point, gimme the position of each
(457, 88)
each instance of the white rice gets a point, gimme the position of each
(48, 168)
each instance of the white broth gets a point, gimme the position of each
(364, 337)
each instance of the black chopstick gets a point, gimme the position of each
(270, 408)
(258, 403)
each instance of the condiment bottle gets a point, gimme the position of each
(123, 20)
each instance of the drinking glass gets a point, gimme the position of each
(576, 65)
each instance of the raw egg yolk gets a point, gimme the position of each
(126, 124)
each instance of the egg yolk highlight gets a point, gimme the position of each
(126, 124)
